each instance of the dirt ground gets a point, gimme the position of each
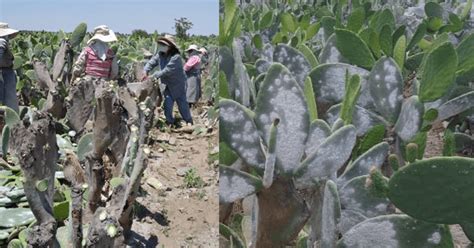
(168, 213)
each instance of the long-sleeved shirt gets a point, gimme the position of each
(194, 61)
(6, 56)
(171, 73)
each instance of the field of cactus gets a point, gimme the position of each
(325, 112)
(75, 154)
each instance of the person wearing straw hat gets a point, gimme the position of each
(97, 59)
(192, 67)
(172, 75)
(7, 74)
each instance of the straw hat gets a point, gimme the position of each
(168, 40)
(203, 50)
(5, 30)
(103, 33)
(192, 47)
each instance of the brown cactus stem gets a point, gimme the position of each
(99, 235)
(96, 180)
(35, 146)
(79, 103)
(282, 214)
(74, 174)
(141, 162)
(106, 125)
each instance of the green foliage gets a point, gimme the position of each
(192, 179)
(354, 48)
(78, 34)
(350, 98)
(438, 72)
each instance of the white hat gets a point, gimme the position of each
(5, 30)
(103, 33)
(192, 47)
(203, 50)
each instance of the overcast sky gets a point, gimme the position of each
(120, 15)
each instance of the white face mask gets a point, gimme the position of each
(162, 48)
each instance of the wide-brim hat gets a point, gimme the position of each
(168, 40)
(103, 33)
(5, 30)
(203, 50)
(192, 47)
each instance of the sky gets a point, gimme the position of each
(120, 15)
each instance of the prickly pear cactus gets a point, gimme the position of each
(416, 181)
(396, 231)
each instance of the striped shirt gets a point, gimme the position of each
(193, 61)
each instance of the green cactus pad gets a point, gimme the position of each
(5, 139)
(330, 54)
(349, 218)
(375, 156)
(15, 217)
(227, 156)
(294, 60)
(238, 130)
(352, 93)
(465, 51)
(463, 141)
(281, 97)
(309, 55)
(319, 130)
(439, 186)
(240, 79)
(409, 120)
(339, 123)
(329, 83)
(3, 235)
(438, 72)
(78, 34)
(328, 158)
(11, 117)
(229, 234)
(363, 119)
(455, 106)
(354, 48)
(399, 51)
(468, 229)
(386, 86)
(330, 216)
(85, 145)
(310, 99)
(396, 231)
(356, 196)
(235, 184)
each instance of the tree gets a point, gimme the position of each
(182, 25)
(139, 33)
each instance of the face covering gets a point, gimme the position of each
(162, 48)
(100, 48)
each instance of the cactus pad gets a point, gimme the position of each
(294, 60)
(238, 130)
(356, 196)
(386, 85)
(409, 120)
(15, 217)
(235, 184)
(329, 157)
(396, 231)
(435, 190)
(278, 91)
(375, 156)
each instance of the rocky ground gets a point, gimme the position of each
(178, 205)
